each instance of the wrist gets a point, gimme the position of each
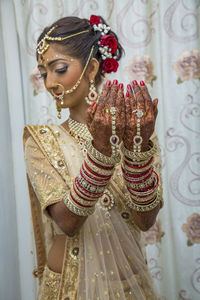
(144, 146)
(102, 148)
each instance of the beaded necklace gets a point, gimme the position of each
(80, 132)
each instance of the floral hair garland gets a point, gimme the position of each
(107, 45)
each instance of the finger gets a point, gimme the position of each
(91, 111)
(155, 107)
(103, 99)
(147, 99)
(128, 99)
(119, 98)
(112, 95)
(133, 103)
(120, 105)
(138, 96)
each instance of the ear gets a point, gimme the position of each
(92, 69)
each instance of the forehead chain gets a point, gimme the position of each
(43, 44)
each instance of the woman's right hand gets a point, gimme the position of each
(99, 117)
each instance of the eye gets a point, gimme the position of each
(61, 70)
(44, 75)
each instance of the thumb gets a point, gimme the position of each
(155, 107)
(90, 112)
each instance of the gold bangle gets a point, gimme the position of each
(143, 199)
(108, 160)
(77, 210)
(97, 169)
(143, 208)
(92, 201)
(136, 171)
(140, 185)
(139, 178)
(139, 156)
(99, 162)
(89, 187)
(138, 163)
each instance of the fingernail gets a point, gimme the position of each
(129, 87)
(121, 85)
(115, 82)
(108, 82)
(127, 94)
(135, 82)
(142, 83)
(93, 104)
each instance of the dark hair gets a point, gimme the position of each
(80, 45)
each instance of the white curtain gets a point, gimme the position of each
(161, 41)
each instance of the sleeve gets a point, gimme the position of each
(47, 183)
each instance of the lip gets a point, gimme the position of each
(58, 94)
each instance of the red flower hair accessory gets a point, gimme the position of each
(110, 65)
(107, 45)
(94, 20)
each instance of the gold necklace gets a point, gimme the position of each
(80, 132)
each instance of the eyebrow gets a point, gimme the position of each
(52, 62)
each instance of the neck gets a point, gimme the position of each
(79, 113)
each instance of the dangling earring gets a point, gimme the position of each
(58, 110)
(59, 98)
(92, 96)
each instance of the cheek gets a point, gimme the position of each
(71, 77)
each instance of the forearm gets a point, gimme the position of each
(143, 185)
(88, 187)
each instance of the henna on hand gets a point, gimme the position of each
(99, 118)
(138, 98)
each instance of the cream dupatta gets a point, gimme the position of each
(105, 260)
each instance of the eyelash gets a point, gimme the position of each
(61, 70)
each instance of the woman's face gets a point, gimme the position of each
(56, 67)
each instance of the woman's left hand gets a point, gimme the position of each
(138, 98)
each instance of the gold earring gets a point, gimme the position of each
(59, 98)
(92, 96)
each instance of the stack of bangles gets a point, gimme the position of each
(140, 178)
(90, 184)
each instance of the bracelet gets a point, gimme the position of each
(139, 168)
(137, 178)
(97, 169)
(142, 185)
(139, 198)
(108, 160)
(89, 179)
(136, 171)
(137, 163)
(90, 187)
(100, 163)
(143, 208)
(80, 190)
(81, 201)
(147, 190)
(75, 209)
(102, 176)
(138, 156)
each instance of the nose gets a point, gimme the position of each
(50, 82)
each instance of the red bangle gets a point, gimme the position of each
(129, 174)
(138, 167)
(96, 174)
(87, 206)
(78, 185)
(93, 178)
(144, 202)
(153, 185)
(99, 166)
(86, 179)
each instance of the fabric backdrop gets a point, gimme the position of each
(161, 41)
